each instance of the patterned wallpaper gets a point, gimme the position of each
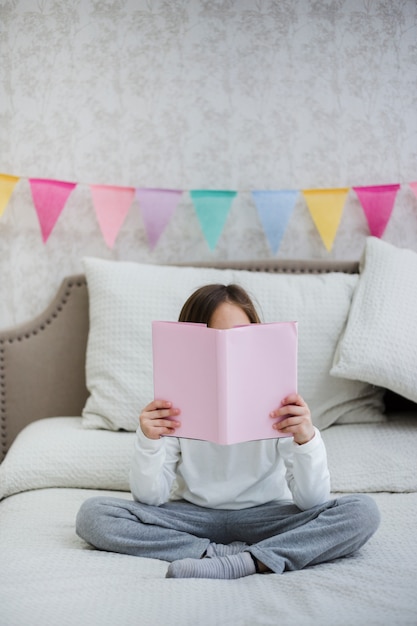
(189, 94)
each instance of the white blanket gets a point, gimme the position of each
(59, 452)
(49, 576)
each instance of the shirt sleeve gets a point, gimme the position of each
(153, 466)
(307, 473)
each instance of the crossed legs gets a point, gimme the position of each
(276, 536)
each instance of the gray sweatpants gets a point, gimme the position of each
(279, 535)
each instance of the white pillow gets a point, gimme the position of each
(320, 303)
(379, 344)
(125, 298)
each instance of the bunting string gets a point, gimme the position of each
(212, 207)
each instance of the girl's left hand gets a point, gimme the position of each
(294, 418)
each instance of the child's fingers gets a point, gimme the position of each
(159, 408)
(157, 404)
(165, 423)
(155, 428)
(288, 423)
(161, 414)
(289, 409)
(159, 418)
(293, 398)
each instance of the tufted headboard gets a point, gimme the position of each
(42, 362)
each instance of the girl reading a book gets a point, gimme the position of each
(227, 511)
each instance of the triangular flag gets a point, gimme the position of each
(326, 208)
(414, 188)
(7, 184)
(49, 198)
(157, 207)
(377, 203)
(274, 209)
(112, 205)
(212, 208)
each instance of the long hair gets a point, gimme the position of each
(201, 305)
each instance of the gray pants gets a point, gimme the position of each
(279, 535)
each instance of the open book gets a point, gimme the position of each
(225, 382)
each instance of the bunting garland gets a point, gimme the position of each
(274, 209)
(377, 203)
(49, 198)
(7, 185)
(157, 207)
(212, 207)
(326, 207)
(112, 205)
(414, 188)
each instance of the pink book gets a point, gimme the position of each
(226, 382)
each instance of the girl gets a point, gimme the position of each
(217, 511)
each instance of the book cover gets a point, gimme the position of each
(225, 382)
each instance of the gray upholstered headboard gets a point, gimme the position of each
(42, 362)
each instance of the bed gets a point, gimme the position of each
(60, 446)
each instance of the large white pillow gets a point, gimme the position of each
(125, 298)
(379, 344)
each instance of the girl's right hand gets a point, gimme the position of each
(159, 418)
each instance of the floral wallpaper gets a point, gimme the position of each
(200, 94)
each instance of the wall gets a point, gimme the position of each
(217, 94)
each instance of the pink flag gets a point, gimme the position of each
(49, 198)
(414, 188)
(112, 205)
(157, 207)
(377, 203)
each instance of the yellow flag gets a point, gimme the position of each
(7, 184)
(326, 207)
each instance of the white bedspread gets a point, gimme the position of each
(50, 577)
(59, 452)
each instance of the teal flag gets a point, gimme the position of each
(274, 209)
(212, 208)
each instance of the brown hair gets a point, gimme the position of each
(201, 305)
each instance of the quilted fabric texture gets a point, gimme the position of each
(126, 297)
(379, 344)
(373, 457)
(59, 452)
(50, 576)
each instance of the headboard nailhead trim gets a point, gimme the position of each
(41, 327)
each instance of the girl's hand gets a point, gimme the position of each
(158, 418)
(296, 419)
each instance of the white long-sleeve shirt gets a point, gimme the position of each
(236, 476)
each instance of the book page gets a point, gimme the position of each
(185, 365)
(262, 371)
